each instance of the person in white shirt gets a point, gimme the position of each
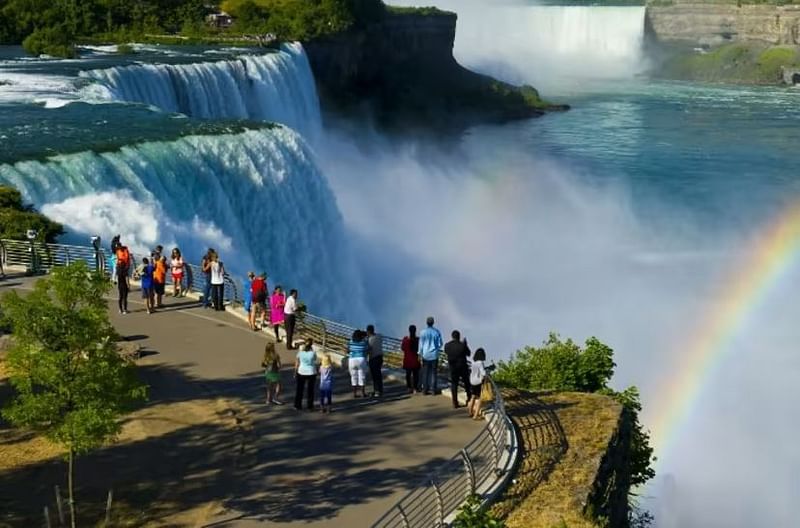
(217, 282)
(476, 377)
(289, 310)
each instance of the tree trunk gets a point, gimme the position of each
(71, 485)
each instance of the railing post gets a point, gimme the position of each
(469, 469)
(324, 337)
(403, 516)
(439, 503)
(495, 448)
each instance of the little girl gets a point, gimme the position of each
(476, 378)
(326, 383)
(272, 373)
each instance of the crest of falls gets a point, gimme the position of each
(275, 87)
(547, 45)
(257, 197)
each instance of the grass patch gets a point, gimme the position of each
(739, 62)
(564, 437)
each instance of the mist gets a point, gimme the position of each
(507, 243)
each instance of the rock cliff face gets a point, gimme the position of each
(698, 23)
(609, 496)
(401, 71)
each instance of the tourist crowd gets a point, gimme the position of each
(365, 350)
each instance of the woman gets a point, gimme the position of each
(272, 373)
(305, 366)
(159, 278)
(217, 282)
(357, 359)
(176, 267)
(411, 363)
(477, 376)
(276, 315)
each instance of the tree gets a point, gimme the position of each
(71, 384)
(16, 218)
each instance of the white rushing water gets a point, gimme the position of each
(256, 197)
(550, 47)
(272, 87)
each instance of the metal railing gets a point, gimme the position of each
(481, 468)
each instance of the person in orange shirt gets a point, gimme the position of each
(160, 279)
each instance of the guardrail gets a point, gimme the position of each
(481, 468)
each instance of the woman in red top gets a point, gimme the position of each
(410, 348)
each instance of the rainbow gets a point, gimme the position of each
(773, 252)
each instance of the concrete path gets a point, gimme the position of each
(291, 467)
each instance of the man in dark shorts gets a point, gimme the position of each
(258, 300)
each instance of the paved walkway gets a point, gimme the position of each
(290, 468)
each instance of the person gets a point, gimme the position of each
(411, 364)
(326, 383)
(159, 277)
(217, 282)
(272, 373)
(356, 354)
(145, 272)
(305, 366)
(258, 300)
(176, 267)
(122, 266)
(290, 318)
(375, 351)
(276, 315)
(430, 346)
(205, 267)
(458, 353)
(476, 377)
(247, 301)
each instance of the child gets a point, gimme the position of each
(476, 378)
(272, 373)
(326, 383)
(145, 273)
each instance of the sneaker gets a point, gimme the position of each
(277, 402)
(267, 402)
(124, 312)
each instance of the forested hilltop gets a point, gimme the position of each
(43, 26)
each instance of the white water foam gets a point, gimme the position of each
(273, 87)
(257, 197)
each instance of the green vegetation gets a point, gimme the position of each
(472, 515)
(17, 218)
(737, 62)
(54, 28)
(70, 383)
(565, 366)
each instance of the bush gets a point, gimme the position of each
(472, 515)
(16, 218)
(55, 41)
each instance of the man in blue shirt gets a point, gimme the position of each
(430, 346)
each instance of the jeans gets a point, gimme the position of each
(412, 378)
(207, 292)
(375, 365)
(326, 396)
(459, 373)
(302, 380)
(289, 322)
(430, 375)
(217, 294)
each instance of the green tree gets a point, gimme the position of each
(71, 384)
(16, 218)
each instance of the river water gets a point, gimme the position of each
(623, 218)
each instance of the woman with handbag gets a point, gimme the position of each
(477, 378)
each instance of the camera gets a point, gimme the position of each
(31, 234)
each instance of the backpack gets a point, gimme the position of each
(258, 290)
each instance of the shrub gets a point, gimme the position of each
(472, 515)
(55, 41)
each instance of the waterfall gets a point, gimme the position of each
(548, 46)
(257, 197)
(275, 86)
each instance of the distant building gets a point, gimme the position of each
(219, 20)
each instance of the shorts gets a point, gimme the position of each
(259, 307)
(147, 292)
(357, 375)
(158, 287)
(177, 279)
(476, 390)
(272, 377)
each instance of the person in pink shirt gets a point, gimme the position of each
(276, 315)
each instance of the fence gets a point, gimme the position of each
(482, 467)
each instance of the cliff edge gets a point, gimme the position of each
(401, 71)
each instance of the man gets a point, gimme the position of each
(205, 266)
(375, 350)
(430, 346)
(258, 300)
(121, 272)
(289, 310)
(457, 353)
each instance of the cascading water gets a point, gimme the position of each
(257, 197)
(271, 87)
(548, 46)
